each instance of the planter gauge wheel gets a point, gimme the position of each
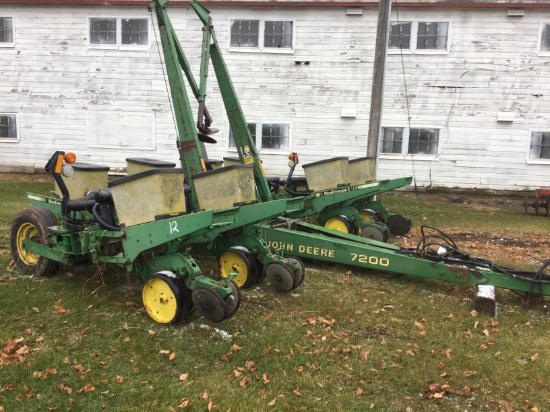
(164, 299)
(32, 224)
(340, 224)
(242, 262)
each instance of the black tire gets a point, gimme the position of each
(300, 273)
(32, 223)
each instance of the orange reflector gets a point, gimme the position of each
(203, 165)
(59, 163)
(70, 158)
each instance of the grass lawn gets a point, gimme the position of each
(348, 339)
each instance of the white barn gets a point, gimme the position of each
(466, 102)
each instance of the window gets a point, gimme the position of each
(245, 33)
(545, 38)
(400, 35)
(6, 32)
(267, 136)
(261, 35)
(540, 145)
(419, 36)
(111, 32)
(402, 140)
(8, 127)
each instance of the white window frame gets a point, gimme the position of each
(534, 160)
(261, 29)
(414, 35)
(12, 43)
(118, 45)
(405, 144)
(11, 139)
(539, 43)
(258, 141)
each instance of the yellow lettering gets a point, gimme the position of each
(324, 252)
(309, 250)
(315, 250)
(301, 248)
(331, 253)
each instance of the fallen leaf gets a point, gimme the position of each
(358, 391)
(50, 370)
(467, 374)
(151, 332)
(265, 378)
(119, 379)
(204, 395)
(58, 308)
(418, 324)
(534, 357)
(245, 381)
(35, 309)
(86, 388)
(474, 313)
(184, 403)
(184, 376)
(172, 356)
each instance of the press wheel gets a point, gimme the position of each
(299, 271)
(32, 224)
(209, 304)
(232, 301)
(378, 232)
(341, 224)
(399, 225)
(241, 262)
(280, 276)
(162, 299)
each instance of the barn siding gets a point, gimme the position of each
(58, 86)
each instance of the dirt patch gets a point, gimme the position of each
(522, 250)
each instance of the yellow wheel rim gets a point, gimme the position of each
(336, 223)
(160, 301)
(27, 231)
(232, 261)
(368, 216)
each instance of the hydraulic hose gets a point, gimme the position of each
(97, 217)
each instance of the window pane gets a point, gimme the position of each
(275, 136)
(540, 145)
(135, 31)
(423, 141)
(545, 146)
(102, 31)
(8, 126)
(432, 36)
(278, 34)
(392, 139)
(400, 35)
(6, 30)
(245, 33)
(545, 39)
(251, 129)
(536, 138)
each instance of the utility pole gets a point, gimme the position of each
(377, 93)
